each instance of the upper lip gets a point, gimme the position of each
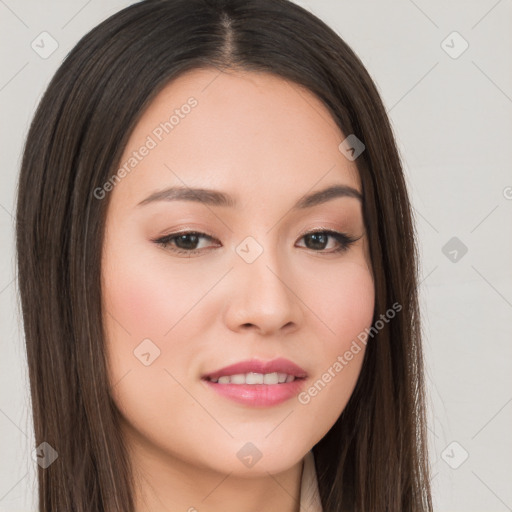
(279, 365)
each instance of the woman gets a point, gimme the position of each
(217, 269)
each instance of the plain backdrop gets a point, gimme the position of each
(444, 71)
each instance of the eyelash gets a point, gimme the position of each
(344, 240)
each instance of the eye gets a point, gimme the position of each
(187, 242)
(317, 240)
(183, 243)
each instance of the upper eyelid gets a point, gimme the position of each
(330, 231)
(206, 235)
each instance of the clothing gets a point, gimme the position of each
(309, 496)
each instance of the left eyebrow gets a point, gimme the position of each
(218, 198)
(322, 196)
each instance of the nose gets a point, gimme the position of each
(263, 297)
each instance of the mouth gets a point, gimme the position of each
(256, 371)
(257, 383)
(253, 378)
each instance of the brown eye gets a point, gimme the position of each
(318, 240)
(188, 241)
(184, 242)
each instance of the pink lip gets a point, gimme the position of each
(279, 365)
(258, 395)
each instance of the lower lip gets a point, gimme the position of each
(258, 395)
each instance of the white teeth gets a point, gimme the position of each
(255, 378)
(239, 378)
(270, 378)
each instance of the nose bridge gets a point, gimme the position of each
(260, 258)
(263, 296)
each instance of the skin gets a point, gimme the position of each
(267, 142)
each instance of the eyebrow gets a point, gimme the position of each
(217, 198)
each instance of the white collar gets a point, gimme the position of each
(309, 495)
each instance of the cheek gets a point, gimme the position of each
(140, 304)
(143, 302)
(343, 300)
(345, 305)
(144, 299)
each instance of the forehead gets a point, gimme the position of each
(236, 130)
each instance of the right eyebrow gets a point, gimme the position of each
(201, 195)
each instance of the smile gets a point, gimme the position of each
(255, 378)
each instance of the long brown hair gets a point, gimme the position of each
(375, 456)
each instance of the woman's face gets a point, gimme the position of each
(253, 283)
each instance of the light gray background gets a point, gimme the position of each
(453, 123)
